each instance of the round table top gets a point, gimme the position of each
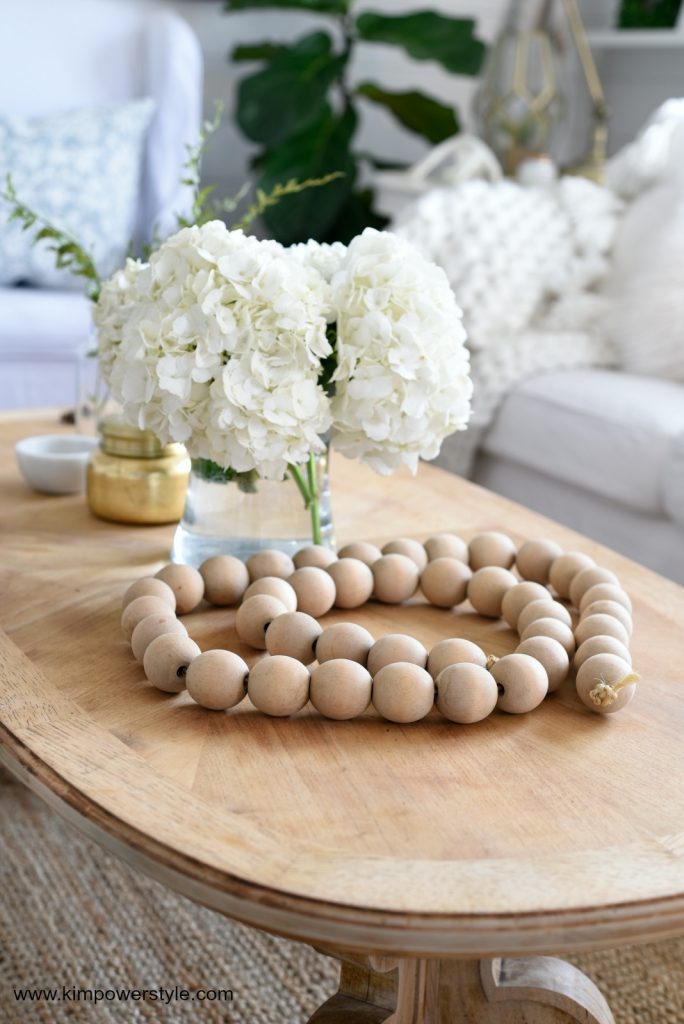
(550, 831)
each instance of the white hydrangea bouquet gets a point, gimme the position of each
(256, 356)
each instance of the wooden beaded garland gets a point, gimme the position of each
(279, 609)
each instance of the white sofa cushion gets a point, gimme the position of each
(38, 323)
(611, 433)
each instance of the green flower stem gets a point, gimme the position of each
(308, 489)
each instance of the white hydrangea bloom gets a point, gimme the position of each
(402, 382)
(326, 258)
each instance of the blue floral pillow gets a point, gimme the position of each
(82, 170)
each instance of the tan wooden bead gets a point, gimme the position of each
(487, 587)
(395, 578)
(344, 640)
(546, 608)
(587, 578)
(149, 628)
(274, 587)
(316, 555)
(534, 559)
(605, 592)
(139, 609)
(454, 651)
(278, 686)
(340, 689)
(555, 629)
(446, 545)
(403, 692)
(167, 659)
(522, 683)
(362, 550)
(315, 590)
(187, 585)
(217, 679)
(413, 549)
(353, 581)
(604, 669)
(466, 693)
(225, 579)
(294, 634)
(150, 586)
(601, 625)
(552, 656)
(444, 581)
(491, 549)
(600, 645)
(254, 615)
(518, 597)
(269, 562)
(564, 569)
(395, 647)
(618, 611)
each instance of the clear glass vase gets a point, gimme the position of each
(229, 513)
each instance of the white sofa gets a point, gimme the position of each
(56, 57)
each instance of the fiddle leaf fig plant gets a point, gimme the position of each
(302, 109)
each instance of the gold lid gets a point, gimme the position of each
(120, 438)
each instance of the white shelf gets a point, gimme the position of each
(636, 39)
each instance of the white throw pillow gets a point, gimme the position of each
(82, 171)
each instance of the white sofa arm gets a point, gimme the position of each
(673, 482)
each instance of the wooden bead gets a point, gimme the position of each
(187, 585)
(314, 588)
(278, 686)
(466, 693)
(269, 562)
(149, 628)
(605, 592)
(555, 629)
(618, 611)
(601, 625)
(254, 615)
(395, 647)
(454, 651)
(547, 608)
(139, 609)
(395, 578)
(596, 675)
(344, 640)
(552, 656)
(487, 587)
(315, 555)
(600, 645)
(150, 586)
(522, 683)
(534, 559)
(340, 689)
(167, 659)
(564, 569)
(587, 578)
(353, 582)
(294, 634)
(274, 587)
(446, 545)
(491, 549)
(225, 579)
(518, 597)
(217, 680)
(413, 549)
(444, 581)
(362, 550)
(403, 692)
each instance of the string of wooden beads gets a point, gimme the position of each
(341, 669)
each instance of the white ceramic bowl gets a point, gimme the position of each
(55, 463)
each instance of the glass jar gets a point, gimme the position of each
(133, 478)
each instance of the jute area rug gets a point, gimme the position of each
(74, 917)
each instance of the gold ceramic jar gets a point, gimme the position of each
(133, 478)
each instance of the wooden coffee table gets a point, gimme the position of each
(435, 861)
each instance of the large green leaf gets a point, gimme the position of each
(254, 51)
(355, 214)
(416, 111)
(290, 92)
(322, 147)
(315, 6)
(428, 36)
